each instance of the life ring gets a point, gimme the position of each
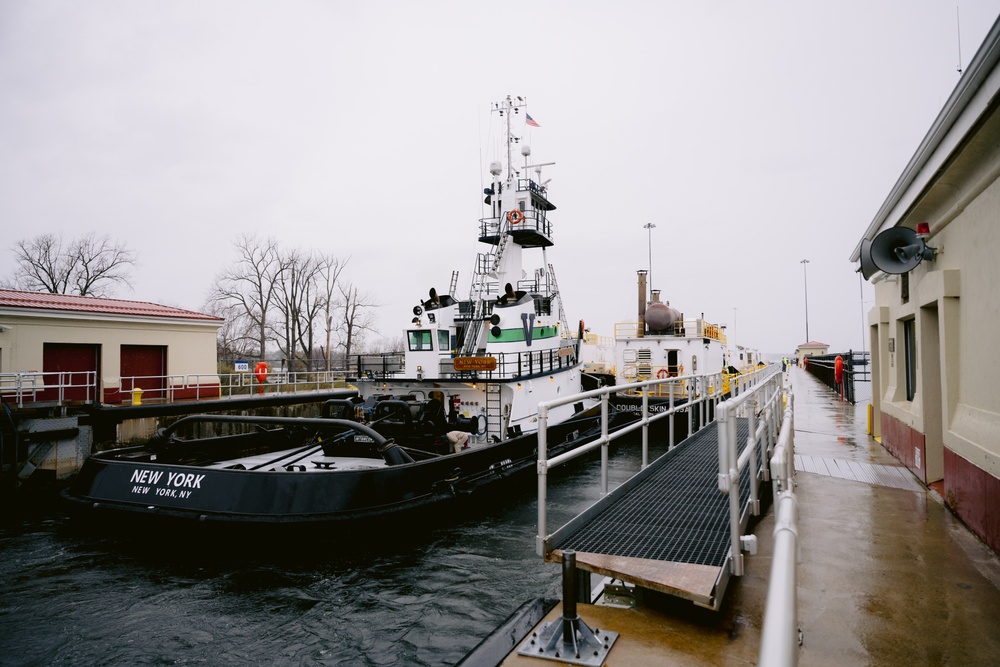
(838, 369)
(260, 370)
(515, 217)
(662, 373)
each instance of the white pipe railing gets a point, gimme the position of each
(74, 386)
(49, 387)
(779, 634)
(229, 383)
(751, 402)
(702, 390)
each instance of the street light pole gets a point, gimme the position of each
(650, 226)
(805, 281)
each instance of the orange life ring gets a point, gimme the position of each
(662, 373)
(515, 217)
(260, 370)
(838, 369)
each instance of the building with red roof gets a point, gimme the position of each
(62, 348)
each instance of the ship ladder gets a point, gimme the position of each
(501, 246)
(476, 294)
(494, 412)
(555, 292)
(472, 333)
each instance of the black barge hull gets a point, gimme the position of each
(126, 484)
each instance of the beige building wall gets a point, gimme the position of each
(953, 302)
(937, 408)
(191, 347)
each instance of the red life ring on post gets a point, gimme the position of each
(260, 370)
(515, 217)
(662, 373)
(838, 369)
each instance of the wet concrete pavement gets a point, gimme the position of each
(887, 576)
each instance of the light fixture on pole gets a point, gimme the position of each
(650, 226)
(805, 281)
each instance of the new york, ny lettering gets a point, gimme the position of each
(176, 484)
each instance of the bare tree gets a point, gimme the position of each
(90, 265)
(356, 316)
(329, 275)
(250, 284)
(299, 302)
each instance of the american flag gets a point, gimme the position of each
(530, 121)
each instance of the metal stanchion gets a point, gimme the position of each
(569, 640)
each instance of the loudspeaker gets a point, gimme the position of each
(896, 250)
(868, 267)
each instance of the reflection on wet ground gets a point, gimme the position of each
(825, 426)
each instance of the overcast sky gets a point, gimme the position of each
(752, 134)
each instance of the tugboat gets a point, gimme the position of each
(452, 415)
(481, 363)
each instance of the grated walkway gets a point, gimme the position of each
(668, 527)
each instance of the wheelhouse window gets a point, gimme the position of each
(444, 342)
(420, 340)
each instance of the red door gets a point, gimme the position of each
(144, 366)
(70, 371)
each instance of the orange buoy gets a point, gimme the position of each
(260, 370)
(838, 369)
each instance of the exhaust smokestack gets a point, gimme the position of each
(642, 303)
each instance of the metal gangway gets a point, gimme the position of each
(678, 526)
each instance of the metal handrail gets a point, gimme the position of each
(759, 400)
(26, 387)
(779, 633)
(702, 389)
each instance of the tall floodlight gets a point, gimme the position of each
(805, 281)
(650, 226)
